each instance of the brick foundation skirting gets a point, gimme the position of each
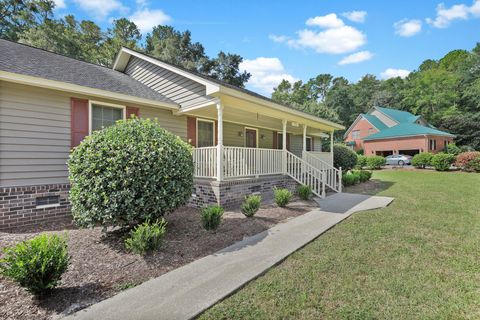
(23, 206)
(231, 193)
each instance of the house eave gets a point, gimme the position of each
(409, 136)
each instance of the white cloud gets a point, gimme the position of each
(60, 4)
(328, 21)
(393, 73)
(407, 28)
(446, 15)
(101, 9)
(335, 38)
(266, 73)
(356, 57)
(475, 9)
(146, 19)
(278, 39)
(355, 16)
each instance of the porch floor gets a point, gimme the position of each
(187, 291)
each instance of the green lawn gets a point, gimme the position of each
(417, 259)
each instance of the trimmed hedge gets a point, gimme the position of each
(376, 162)
(361, 161)
(422, 160)
(442, 161)
(344, 157)
(129, 173)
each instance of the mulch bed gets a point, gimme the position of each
(100, 267)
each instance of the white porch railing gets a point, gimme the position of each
(205, 162)
(244, 162)
(324, 156)
(333, 176)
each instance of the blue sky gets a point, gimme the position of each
(300, 39)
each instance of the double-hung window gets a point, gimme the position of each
(103, 116)
(205, 133)
(356, 134)
(433, 144)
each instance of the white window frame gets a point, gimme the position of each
(105, 104)
(245, 136)
(432, 143)
(356, 131)
(196, 129)
(371, 131)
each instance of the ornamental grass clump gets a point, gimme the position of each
(211, 217)
(146, 237)
(36, 264)
(251, 205)
(129, 173)
(282, 196)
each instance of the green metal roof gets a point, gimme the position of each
(405, 130)
(398, 115)
(375, 121)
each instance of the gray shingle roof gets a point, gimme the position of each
(26, 60)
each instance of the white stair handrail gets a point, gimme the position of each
(333, 177)
(306, 174)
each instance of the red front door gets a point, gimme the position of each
(250, 138)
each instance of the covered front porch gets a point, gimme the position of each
(237, 138)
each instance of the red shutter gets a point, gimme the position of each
(132, 110)
(275, 137)
(192, 131)
(288, 141)
(78, 120)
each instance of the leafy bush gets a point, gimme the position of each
(351, 178)
(360, 152)
(146, 237)
(37, 264)
(282, 196)
(421, 160)
(452, 148)
(251, 205)
(212, 217)
(473, 165)
(361, 161)
(375, 162)
(442, 161)
(465, 158)
(304, 192)
(129, 173)
(344, 157)
(365, 175)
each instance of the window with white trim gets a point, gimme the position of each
(371, 131)
(433, 144)
(205, 133)
(309, 144)
(104, 116)
(356, 134)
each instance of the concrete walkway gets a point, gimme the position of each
(189, 290)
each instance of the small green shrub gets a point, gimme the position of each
(375, 162)
(344, 157)
(212, 217)
(360, 152)
(251, 205)
(452, 148)
(282, 196)
(361, 161)
(304, 192)
(365, 175)
(442, 161)
(473, 165)
(37, 264)
(146, 237)
(422, 160)
(351, 178)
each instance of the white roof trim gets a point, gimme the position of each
(386, 115)
(75, 88)
(120, 64)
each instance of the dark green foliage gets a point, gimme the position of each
(251, 205)
(282, 196)
(146, 237)
(360, 152)
(361, 161)
(211, 217)
(442, 161)
(422, 160)
(473, 165)
(37, 264)
(365, 175)
(453, 149)
(304, 192)
(351, 178)
(129, 173)
(375, 162)
(344, 157)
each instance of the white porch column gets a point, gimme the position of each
(284, 146)
(331, 146)
(220, 141)
(304, 137)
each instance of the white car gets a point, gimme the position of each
(398, 159)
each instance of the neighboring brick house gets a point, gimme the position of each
(383, 131)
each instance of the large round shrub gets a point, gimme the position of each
(361, 161)
(376, 162)
(465, 158)
(442, 161)
(129, 173)
(421, 160)
(344, 157)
